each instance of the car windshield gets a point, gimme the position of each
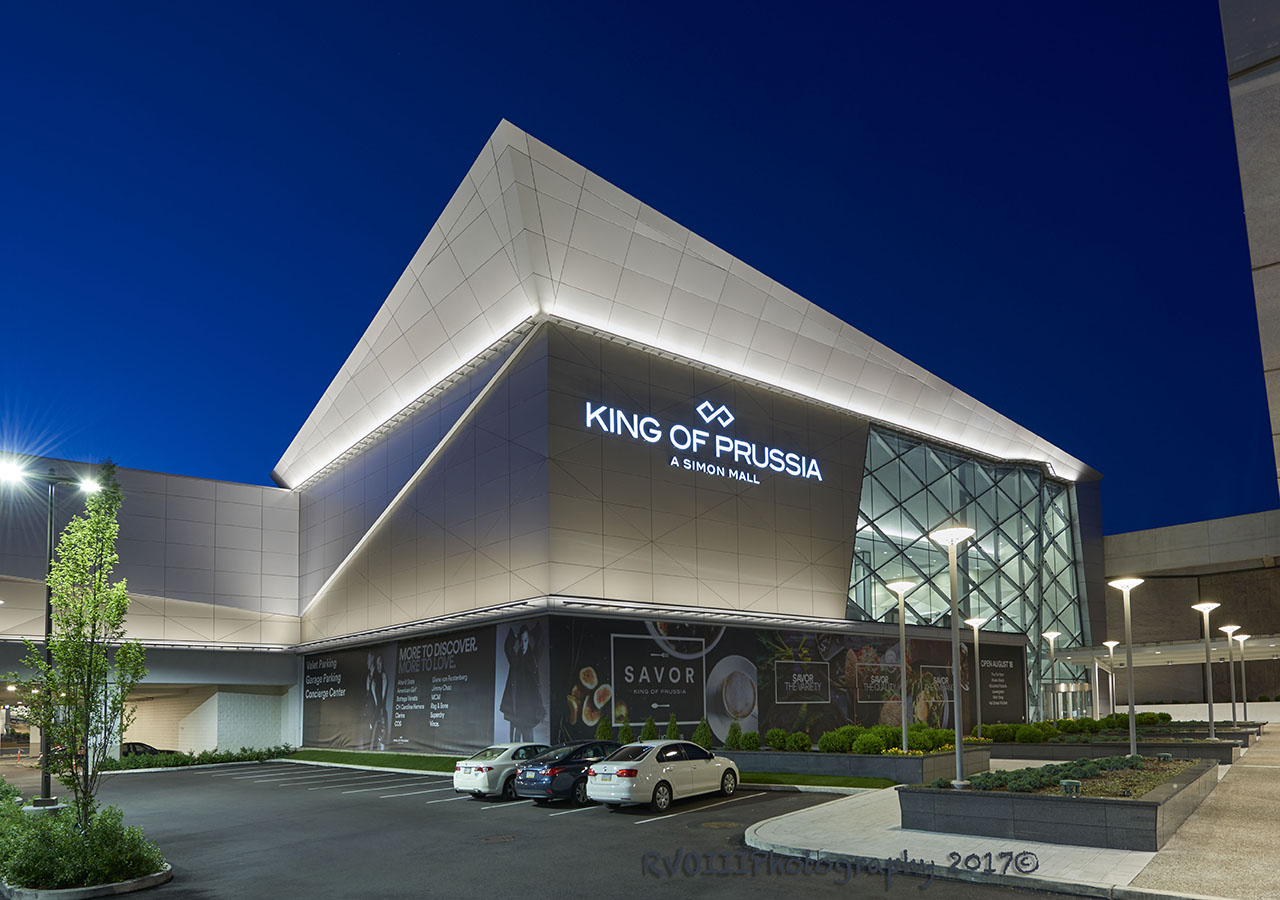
(555, 754)
(630, 753)
(490, 753)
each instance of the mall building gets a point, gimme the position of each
(584, 463)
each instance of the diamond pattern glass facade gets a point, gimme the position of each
(1020, 570)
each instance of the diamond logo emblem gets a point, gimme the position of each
(712, 413)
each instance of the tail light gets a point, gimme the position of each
(457, 768)
(553, 771)
(590, 772)
(484, 768)
(627, 773)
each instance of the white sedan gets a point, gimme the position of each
(656, 772)
(493, 769)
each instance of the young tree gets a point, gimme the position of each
(78, 701)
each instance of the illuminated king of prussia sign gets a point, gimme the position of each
(733, 457)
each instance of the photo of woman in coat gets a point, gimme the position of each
(522, 704)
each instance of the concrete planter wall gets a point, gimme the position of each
(1225, 752)
(903, 769)
(1144, 823)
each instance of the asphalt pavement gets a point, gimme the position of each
(288, 830)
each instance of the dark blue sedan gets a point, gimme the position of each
(561, 772)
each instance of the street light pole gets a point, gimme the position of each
(1205, 609)
(1244, 687)
(976, 623)
(900, 588)
(1231, 667)
(950, 538)
(13, 472)
(1111, 672)
(1052, 636)
(1125, 585)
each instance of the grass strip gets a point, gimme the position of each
(853, 781)
(379, 759)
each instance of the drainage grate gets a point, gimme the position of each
(498, 839)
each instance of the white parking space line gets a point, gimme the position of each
(698, 809)
(300, 776)
(338, 784)
(382, 787)
(509, 805)
(309, 780)
(566, 812)
(446, 800)
(411, 793)
(267, 766)
(282, 773)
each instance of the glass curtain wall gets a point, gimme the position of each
(1019, 571)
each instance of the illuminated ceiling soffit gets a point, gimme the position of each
(529, 232)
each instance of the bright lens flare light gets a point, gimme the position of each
(975, 622)
(1111, 643)
(1125, 584)
(89, 486)
(1207, 607)
(10, 471)
(1051, 636)
(900, 587)
(1229, 629)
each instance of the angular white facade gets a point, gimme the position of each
(532, 234)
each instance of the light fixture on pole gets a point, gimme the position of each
(977, 623)
(951, 538)
(1204, 609)
(900, 588)
(1244, 687)
(1052, 636)
(1125, 585)
(1111, 672)
(13, 473)
(1231, 667)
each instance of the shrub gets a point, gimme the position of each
(1263, 698)
(834, 742)
(940, 783)
(673, 729)
(48, 851)
(1023, 784)
(751, 740)
(702, 734)
(776, 738)
(1068, 726)
(868, 743)
(626, 734)
(799, 742)
(733, 741)
(888, 734)
(604, 731)
(204, 757)
(649, 731)
(1164, 717)
(1028, 734)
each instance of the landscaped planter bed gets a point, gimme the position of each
(1119, 823)
(1224, 752)
(903, 769)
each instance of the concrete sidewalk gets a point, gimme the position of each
(1226, 849)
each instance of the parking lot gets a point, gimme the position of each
(286, 829)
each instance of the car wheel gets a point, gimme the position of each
(580, 793)
(728, 784)
(661, 797)
(509, 788)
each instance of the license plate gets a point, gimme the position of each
(466, 771)
(606, 777)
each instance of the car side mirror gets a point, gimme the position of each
(712, 753)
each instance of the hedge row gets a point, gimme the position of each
(1039, 732)
(203, 758)
(1033, 779)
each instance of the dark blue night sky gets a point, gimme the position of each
(203, 205)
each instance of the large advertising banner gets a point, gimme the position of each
(554, 678)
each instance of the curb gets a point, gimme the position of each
(250, 762)
(97, 890)
(804, 788)
(333, 765)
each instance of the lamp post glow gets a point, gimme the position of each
(1111, 672)
(900, 588)
(951, 538)
(977, 623)
(13, 473)
(1204, 609)
(1052, 636)
(1231, 667)
(1125, 585)
(1244, 687)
